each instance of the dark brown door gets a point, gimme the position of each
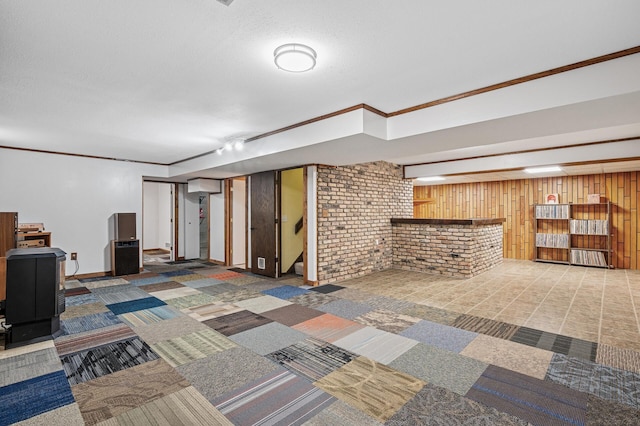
(263, 224)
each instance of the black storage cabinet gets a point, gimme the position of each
(125, 257)
(35, 294)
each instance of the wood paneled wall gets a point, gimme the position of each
(514, 200)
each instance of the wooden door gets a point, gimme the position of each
(263, 224)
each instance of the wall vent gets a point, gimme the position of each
(261, 263)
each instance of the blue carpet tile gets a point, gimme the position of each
(88, 322)
(285, 292)
(32, 397)
(97, 362)
(149, 280)
(83, 299)
(177, 273)
(537, 401)
(443, 336)
(135, 305)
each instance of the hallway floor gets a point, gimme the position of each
(196, 343)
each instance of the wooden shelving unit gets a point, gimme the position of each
(573, 234)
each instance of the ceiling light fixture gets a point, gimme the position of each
(294, 57)
(430, 179)
(546, 169)
(219, 151)
(228, 146)
(239, 145)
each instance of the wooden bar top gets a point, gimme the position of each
(471, 221)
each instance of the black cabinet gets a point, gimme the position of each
(35, 293)
(125, 257)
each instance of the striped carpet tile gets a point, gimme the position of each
(624, 359)
(28, 365)
(277, 398)
(192, 346)
(191, 301)
(148, 316)
(32, 397)
(312, 358)
(88, 322)
(573, 347)
(536, 401)
(486, 326)
(185, 407)
(97, 362)
(82, 341)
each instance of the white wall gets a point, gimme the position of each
(216, 230)
(239, 225)
(75, 198)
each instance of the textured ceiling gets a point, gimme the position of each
(162, 81)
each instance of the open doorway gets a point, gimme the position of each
(204, 225)
(157, 222)
(292, 221)
(238, 222)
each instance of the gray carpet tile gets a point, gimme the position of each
(353, 294)
(434, 405)
(443, 368)
(602, 412)
(68, 415)
(388, 303)
(608, 383)
(383, 319)
(345, 308)
(218, 288)
(341, 413)
(29, 365)
(221, 372)
(168, 329)
(313, 299)
(431, 314)
(268, 338)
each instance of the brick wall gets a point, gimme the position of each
(451, 250)
(355, 205)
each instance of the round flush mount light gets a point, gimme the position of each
(294, 57)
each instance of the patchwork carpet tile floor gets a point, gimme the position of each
(192, 343)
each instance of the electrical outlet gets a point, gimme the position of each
(74, 256)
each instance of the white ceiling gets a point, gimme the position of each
(163, 81)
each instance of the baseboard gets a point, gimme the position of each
(89, 275)
(312, 283)
(217, 262)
